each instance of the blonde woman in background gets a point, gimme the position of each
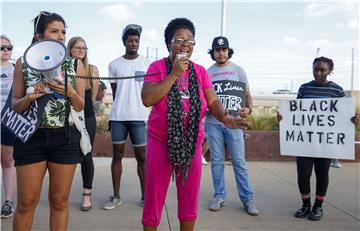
(77, 48)
(7, 137)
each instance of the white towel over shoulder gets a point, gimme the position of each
(79, 119)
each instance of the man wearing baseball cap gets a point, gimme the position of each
(227, 76)
(128, 114)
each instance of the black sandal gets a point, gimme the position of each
(86, 208)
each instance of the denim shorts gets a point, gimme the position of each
(136, 130)
(49, 144)
(7, 137)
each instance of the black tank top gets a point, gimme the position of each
(89, 107)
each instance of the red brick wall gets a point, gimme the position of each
(260, 146)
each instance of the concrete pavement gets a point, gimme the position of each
(276, 193)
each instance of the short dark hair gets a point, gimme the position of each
(128, 33)
(174, 25)
(211, 52)
(326, 60)
(42, 20)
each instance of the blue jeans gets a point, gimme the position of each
(136, 130)
(218, 135)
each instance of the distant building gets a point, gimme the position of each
(284, 91)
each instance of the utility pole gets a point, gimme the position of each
(223, 17)
(317, 52)
(352, 71)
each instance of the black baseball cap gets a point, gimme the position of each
(220, 42)
(131, 29)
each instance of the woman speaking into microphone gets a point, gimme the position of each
(179, 94)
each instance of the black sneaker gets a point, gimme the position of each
(7, 210)
(316, 214)
(303, 211)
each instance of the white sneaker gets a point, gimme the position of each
(335, 163)
(216, 204)
(112, 202)
(204, 161)
(251, 208)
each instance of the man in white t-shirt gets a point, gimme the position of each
(128, 114)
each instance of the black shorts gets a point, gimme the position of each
(7, 137)
(49, 144)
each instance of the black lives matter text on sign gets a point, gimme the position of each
(317, 119)
(317, 128)
(24, 124)
(231, 94)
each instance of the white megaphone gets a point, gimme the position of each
(46, 56)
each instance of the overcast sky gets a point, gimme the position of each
(274, 41)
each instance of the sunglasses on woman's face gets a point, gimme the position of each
(8, 47)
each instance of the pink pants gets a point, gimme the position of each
(157, 179)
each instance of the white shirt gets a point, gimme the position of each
(128, 105)
(6, 82)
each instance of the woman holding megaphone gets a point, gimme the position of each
(54, 147)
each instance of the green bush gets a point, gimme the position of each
(102, 124)
(265, 121)
(268, 121)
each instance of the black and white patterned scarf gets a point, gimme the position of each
(181, 143)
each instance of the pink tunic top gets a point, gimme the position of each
(157, 123)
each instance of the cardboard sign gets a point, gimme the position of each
(24, 124)
(318, 128)
(231, 94)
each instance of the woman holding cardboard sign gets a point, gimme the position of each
(320, 87)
